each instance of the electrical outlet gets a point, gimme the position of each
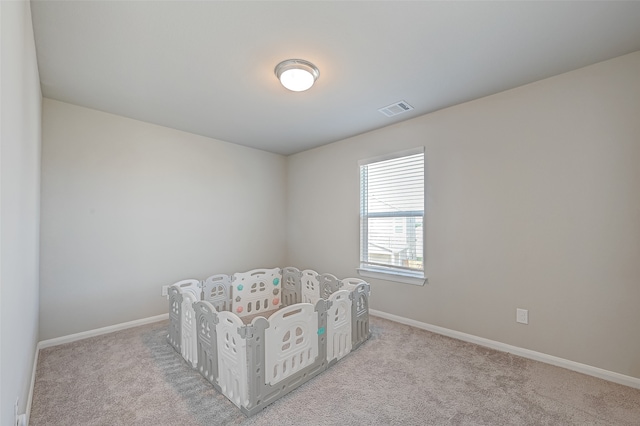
(165, 290)
(522, 316)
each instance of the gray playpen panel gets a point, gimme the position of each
(175, 318)
(329, 284)
(206, 320)
(360, 315)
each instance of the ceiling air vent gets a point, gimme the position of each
(395, 109)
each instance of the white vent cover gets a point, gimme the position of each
(395, 109)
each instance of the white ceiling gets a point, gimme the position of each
(207, 67)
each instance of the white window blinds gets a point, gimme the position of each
(392, 213)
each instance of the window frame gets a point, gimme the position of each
(390, 273)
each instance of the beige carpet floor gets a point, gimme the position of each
(401, 376)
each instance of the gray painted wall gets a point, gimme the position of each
(19, 205)
(533, 201)
(128, 207)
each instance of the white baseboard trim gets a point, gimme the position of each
(525, 353)
(33, 381)
(79, 336)
(98, 331)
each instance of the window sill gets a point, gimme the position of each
(413, 279)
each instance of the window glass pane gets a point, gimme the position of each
(388, 247)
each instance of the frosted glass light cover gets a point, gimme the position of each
(297, 80)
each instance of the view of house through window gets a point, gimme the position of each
(392, 213)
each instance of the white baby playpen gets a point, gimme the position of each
(257, 335)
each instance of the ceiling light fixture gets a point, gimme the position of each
(297, 75)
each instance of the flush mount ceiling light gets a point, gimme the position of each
(297, 75)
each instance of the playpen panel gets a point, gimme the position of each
(352, 283)
(232, 358)
(360, 314)
(291, 290)
(329, 284)
(256, 291)
(175, 314)
(310, 286)
(339, 325)
(189, 286)
(206, 320)
(291, 341)
(175, 293)
(189, 341)
(217, 290)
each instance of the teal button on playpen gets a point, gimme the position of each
(240, 287)
(276, 281)
(320, 331)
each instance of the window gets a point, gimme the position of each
(392, 217)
